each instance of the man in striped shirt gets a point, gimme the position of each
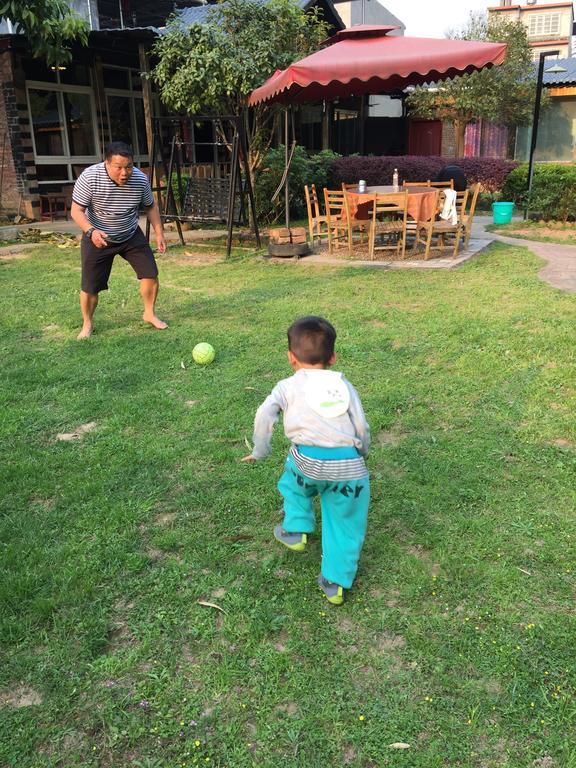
(106, 203)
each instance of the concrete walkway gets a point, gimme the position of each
(560, 271)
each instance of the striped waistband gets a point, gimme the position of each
(334, 469)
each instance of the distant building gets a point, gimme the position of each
(549, 25)
(557, 125)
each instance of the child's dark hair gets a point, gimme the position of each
(311, 339)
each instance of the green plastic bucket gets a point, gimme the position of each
(502, 212)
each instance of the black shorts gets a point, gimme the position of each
(97, 262)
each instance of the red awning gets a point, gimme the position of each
(366, 59)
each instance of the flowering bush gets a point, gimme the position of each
(490, 172)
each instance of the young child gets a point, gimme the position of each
(324, 420)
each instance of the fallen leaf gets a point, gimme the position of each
(210, 605)
(182, 365)
(399, 745)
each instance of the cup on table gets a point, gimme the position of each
(362, 186)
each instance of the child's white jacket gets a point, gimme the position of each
(320, 408)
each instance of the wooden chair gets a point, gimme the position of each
(441, 228)
(317, 221)
(442, 184)
(468, 216)
(389, 217)
(340, 223)
(428, 183)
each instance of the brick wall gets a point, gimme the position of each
(19, 191)
(448, 140)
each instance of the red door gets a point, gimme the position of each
(425, 137)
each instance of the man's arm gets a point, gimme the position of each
(78, 213)
(153, 215)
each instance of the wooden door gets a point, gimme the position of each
(425, 137)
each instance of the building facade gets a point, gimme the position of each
(549, 26)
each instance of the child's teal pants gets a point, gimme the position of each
(344, 506)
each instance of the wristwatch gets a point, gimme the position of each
(89, 232)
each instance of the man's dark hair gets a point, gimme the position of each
(311, 339)
(118, 148)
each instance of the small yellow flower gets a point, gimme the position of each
(361, 717)
(197, 743)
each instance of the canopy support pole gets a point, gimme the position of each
(286, 185)
(535, 121)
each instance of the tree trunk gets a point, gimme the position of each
(459, 131)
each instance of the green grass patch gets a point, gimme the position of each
(458, 636)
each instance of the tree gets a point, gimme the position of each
(503, 94)
(49, 25)
(212, 67)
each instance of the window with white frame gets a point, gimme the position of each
(541, 24)
(63, 121)
(125, 105)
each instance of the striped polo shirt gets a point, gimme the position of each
(110, 207)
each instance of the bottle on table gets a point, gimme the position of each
(362, 186)
(395, 183)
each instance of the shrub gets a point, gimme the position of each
(304, 169)
(490, 172)
(553, 190)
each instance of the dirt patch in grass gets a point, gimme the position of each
(13, 256)
(289, 708)
(167, 518)
(19, 697)
(78, 433)
(558, 234)
(391, 437)
(561, 442)
(199, 258)
(389, 642)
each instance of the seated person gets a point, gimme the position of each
(455, 173)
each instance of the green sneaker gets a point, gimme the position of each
(334, 592)
(294, 541)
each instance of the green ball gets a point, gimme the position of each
(203, 353)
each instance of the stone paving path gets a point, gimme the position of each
(559, 272)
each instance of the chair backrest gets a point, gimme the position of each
(391, 205)
(472, 198)
(349, 186)
(461, 200)
(335, 202)
(439, 184)
(308, 202)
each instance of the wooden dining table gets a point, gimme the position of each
(421, 201)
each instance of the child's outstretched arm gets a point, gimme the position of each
(266, 417)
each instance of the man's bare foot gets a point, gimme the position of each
(85, 333)
(155, 322)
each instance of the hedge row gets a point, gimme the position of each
(490, 172)
(553, 191)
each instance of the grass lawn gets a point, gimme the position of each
(544, 232)
(458, 637)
